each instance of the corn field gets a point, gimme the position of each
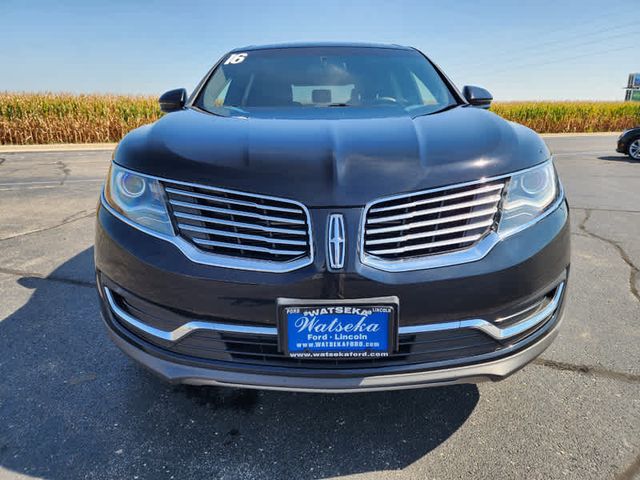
(27, 118)
(571, 117)
(38, 118)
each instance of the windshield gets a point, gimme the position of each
(324, 77)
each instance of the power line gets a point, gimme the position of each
(558, 45)
(565, 59)
(592, 33)
(577, 24)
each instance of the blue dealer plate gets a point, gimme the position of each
(337, 331)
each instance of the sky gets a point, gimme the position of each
(518, 50)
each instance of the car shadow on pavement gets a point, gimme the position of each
(73, 406)
(618, 158)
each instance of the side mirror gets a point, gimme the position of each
(477, 96)
(173, 100)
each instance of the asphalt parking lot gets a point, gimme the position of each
(72, 406)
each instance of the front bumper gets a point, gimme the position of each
(495, 370)
(168, 291)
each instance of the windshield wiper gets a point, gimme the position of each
(339, 105)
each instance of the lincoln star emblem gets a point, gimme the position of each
(336, 241)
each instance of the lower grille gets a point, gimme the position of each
(261, 350)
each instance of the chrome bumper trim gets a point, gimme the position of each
(484, 326)
(491, 329)
(184, 330)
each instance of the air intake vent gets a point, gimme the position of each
(237, 224)
(431, 222)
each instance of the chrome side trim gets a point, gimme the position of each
(488, 327)
(184, 330)
(196, 255)
(484, 326)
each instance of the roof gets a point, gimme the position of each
(321, 44)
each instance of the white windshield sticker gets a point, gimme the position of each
(235, 58)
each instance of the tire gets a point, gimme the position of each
(633, 150)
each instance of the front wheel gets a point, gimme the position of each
(634, 149)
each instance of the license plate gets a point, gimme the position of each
(337, 330)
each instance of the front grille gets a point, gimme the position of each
(239, 224)
(431, 222)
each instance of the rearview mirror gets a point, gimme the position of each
(173, 100)
(477, 96)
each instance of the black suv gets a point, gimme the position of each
(331, 217)
(629, 143)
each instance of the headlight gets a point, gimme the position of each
(139, 198)
(529, 194)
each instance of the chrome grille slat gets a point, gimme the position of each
(426, 223)
(223, 233)
(229, 211)
(446, 208)
(486, 189)
(424, 246)
(242, 226)
(430, 223)
(202, 196)
(251, 248)
(200, 218)
(444, 231)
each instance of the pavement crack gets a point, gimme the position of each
(610, 210)
(586, 218)
(589, 370)
(2, 160)
(67, 220)
(631, 471)
(51, 278)
(66, 171)
(78, 215)
(633, 269)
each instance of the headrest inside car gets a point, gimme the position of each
(321, 96)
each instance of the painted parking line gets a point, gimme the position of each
(45, 184)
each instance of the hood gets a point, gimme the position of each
(340, 157)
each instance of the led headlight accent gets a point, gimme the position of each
(529, 194)
(139, 198)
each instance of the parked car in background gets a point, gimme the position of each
(629, 143)
(333, 218)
